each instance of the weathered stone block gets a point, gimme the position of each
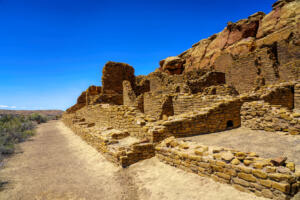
(267, 193)
(222, 175)
(283, 187)
(247, 177)
(266, 183)
(259, 174)
(241, 182)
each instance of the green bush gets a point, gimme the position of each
(16, 128)
(38, 118)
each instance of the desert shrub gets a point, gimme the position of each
(39, 118)
(15, 129)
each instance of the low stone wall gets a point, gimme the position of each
(116, 146)
(219, 117)
(118, 117)
(259, 115)
(247, 172)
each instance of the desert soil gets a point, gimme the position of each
(57, 164)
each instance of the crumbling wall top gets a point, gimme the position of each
(114, 73)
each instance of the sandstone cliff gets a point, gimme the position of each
(260, 50)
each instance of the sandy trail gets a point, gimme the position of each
(57, 164)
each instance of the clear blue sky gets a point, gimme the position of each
(52, 50)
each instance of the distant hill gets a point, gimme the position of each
(29, 112)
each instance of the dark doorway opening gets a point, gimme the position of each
(229, 124)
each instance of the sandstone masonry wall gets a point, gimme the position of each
(189, 102)
(117, 146)
(259, 115)
(118, 117)
(153, 104)
(246, 172)
(129, 97)
(219, 117)
(283, 96)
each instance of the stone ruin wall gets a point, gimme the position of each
(259, 115)
(107, 140)
(116, 117)
(153, 104)
(211, 113)
(190, 102)
(218, 117)
(246, 172)
(112, 81)
(204, 90)
(283, 96)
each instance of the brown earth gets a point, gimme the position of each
(57, 164)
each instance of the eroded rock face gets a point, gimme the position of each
(172, 65)
(262, 49)
(284, 14)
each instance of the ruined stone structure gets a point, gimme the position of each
(247, 75)
(247, 172)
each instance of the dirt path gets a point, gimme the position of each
(57, 164)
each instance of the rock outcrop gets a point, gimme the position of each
(172, 65)
(262, 49)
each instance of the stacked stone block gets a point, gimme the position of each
(117, 146)
(218, 117)
(192, 102)
(117, 117)
(259, 115)
(246, 171)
